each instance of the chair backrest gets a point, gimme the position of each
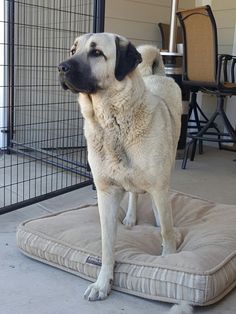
(165, 35)
(200, 46)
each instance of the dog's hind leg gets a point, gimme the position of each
(130, 218)
(163, 210)
(155, 211)
(108, 205)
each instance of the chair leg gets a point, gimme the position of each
(231, 131)
(195, 109)
(194, 149)
(195, 138)
(186, 153)
(190, 110)
(210, 124)
(202, 113)
(214, 126)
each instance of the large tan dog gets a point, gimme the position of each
(132, 129)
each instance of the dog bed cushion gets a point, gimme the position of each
(201, 272)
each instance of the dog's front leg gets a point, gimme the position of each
(163, 210)
(108, 204)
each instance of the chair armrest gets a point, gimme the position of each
(223, 61)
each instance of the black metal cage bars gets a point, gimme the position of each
(42, 146)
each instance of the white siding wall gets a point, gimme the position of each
(138, 19)
(225, 15)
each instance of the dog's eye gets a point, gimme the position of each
(72, 52)
(96, 53)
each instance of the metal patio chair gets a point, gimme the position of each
(205, 70)
(196, 117)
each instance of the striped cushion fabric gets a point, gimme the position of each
(201, 272)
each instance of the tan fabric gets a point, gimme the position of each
(200, 45)
(202, 272)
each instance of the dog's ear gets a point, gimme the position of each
(127, 59)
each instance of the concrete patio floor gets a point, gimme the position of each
(30, 287)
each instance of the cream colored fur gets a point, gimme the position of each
(152, 61)
(152, 76)
(132, 128)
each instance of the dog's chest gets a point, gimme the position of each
(115, 160)
(109, 144)
(114, 138)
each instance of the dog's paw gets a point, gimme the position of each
(170, 245)
(168, 248)
(95, 293)
(100, 289)
(129, 221)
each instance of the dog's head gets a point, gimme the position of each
(96, 61)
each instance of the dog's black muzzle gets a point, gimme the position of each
(64, 74)
(76, 77)
(64, 67)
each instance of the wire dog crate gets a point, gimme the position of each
(42, 146)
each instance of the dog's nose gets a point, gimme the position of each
(63, 67)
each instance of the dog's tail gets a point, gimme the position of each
(152, 63)
(182, 308)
